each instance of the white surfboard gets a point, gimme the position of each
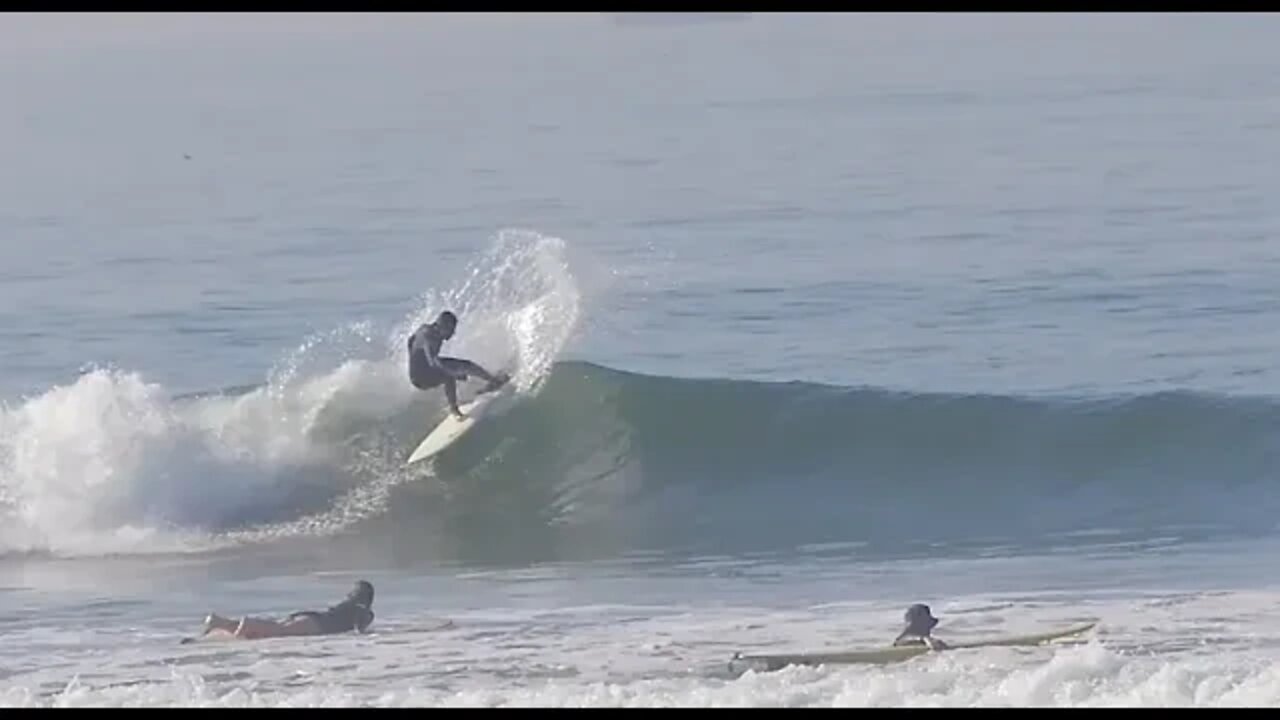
(452, 428)
(878, 656)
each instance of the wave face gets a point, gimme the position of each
(602, 460)
(590, 462)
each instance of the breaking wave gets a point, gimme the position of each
(111, 463)
(591, 461)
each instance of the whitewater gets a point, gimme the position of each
(810, 317)
(114, 464)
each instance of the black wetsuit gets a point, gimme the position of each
(426, 368)
(346, 616)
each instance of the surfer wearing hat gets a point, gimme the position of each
(427, 369)
(353, 613)
(920, 624)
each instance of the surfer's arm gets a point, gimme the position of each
(425, 339)
(431, 348)
(929, 641)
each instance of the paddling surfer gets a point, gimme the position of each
(355, 612)
(427, 369)
(919, 629)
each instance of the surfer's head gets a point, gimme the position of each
(447, 322)
(361, 594)
(920, 620)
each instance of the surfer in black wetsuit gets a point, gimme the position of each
(920, 624)
(427, 369)
(353, 613)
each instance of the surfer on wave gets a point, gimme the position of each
(920, 624)
(427, 369)
(353, 613)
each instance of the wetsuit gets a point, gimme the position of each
(346, 616)
(427, 369)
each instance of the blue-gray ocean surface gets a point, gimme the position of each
(811, 317)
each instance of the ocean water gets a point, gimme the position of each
(811, 317)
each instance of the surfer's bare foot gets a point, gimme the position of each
(498, 381)
(214, 621)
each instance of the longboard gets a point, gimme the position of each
(452, 428)
(891, 654)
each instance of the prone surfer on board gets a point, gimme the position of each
(353, 613)
(427, 369)
(920, 624)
